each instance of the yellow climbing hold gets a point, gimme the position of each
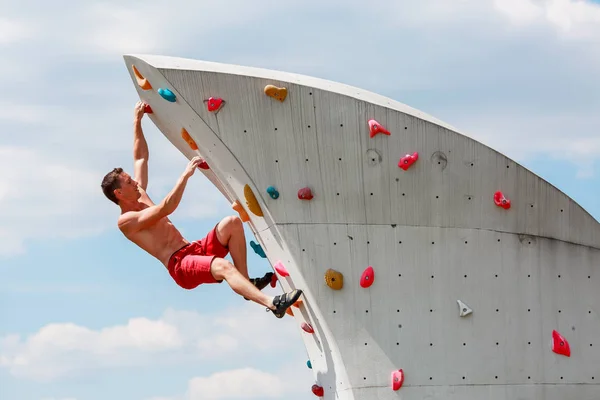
(252, 202)
(240, 210)
(276, 92)
(334, 279)
(141, 81)
(186, 136)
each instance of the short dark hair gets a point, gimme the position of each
(110, 183)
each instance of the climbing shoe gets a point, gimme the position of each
(283, 301)
(261, 283)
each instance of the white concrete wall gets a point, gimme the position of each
(432, 234)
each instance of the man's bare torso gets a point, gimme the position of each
(160, 240)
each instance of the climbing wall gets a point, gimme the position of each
(433, 267)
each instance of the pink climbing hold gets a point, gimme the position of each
(214, 104)
(367, 278)
(501, 200)
(307, 327)
(281, 269)
(317, 390)
(375, 128)
(560, 344)
(397, 379)
(408, 160)
(305, 194)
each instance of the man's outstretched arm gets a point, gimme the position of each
(140, 148)
(133, 221)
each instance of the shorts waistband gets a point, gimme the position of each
(178, 250)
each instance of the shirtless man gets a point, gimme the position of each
(190, 264)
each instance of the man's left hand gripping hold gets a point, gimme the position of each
(190, 264)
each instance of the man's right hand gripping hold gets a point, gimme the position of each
(190, 264)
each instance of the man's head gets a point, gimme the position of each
(117, 185)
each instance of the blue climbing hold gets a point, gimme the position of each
(308, 364)
(167, 95)
(257, 249)
(272, 192)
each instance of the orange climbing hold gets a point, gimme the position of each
(367, 278)
(560, 344)
(307, 327)
(501, 200)
(281, 269)
(397, 379)
(375, 128)
(334, 279)
(252, 202)
(141, 81)
(186, 136)
(408, 160)
(317, 390)
(276, 92)
(243, 214)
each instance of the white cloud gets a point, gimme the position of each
(519, 11)
(13, 31)
(62, 350)
(244, 383)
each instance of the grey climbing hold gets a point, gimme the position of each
(464, 309)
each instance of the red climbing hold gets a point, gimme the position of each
(397, 379)
(214, 104)
(560, 344)
(305, 194)
(501, 200)
(408, 160)
(280, 268)
(307, 328)
(273, 280)
(317, 390)
(375, 128)
(148, 109)
(203, 165)
(367, 278)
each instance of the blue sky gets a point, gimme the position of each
(85, 315)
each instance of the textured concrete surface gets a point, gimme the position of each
(432, 233)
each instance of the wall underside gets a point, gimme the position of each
(432, 234)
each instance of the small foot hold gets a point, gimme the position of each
(408, 160)
(271, 191)
(148, 109)
(309, 364)
(284, 301)
(464, 309)
(560, 344)
(367, 277)
(276, 92)
(501, 200)
(203, 165)
(258, 249)
(281, 269)
(240, 210)
(214, 104)
(397, 379)
(167, 95)
(274, 281)
(334, 279)
(305, 194)
(306, 327)
(317, 390)
(375, 128)
(186, 136)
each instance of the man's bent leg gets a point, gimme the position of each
(222, 269)
(230, 232)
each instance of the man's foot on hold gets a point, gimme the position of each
(261, 283)
(283, 301)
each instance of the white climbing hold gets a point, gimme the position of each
(464, 309)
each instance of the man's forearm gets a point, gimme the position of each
(140, 147)
(171, 201)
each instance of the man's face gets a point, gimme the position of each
(129, 188)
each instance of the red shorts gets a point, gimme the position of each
(190, 266)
